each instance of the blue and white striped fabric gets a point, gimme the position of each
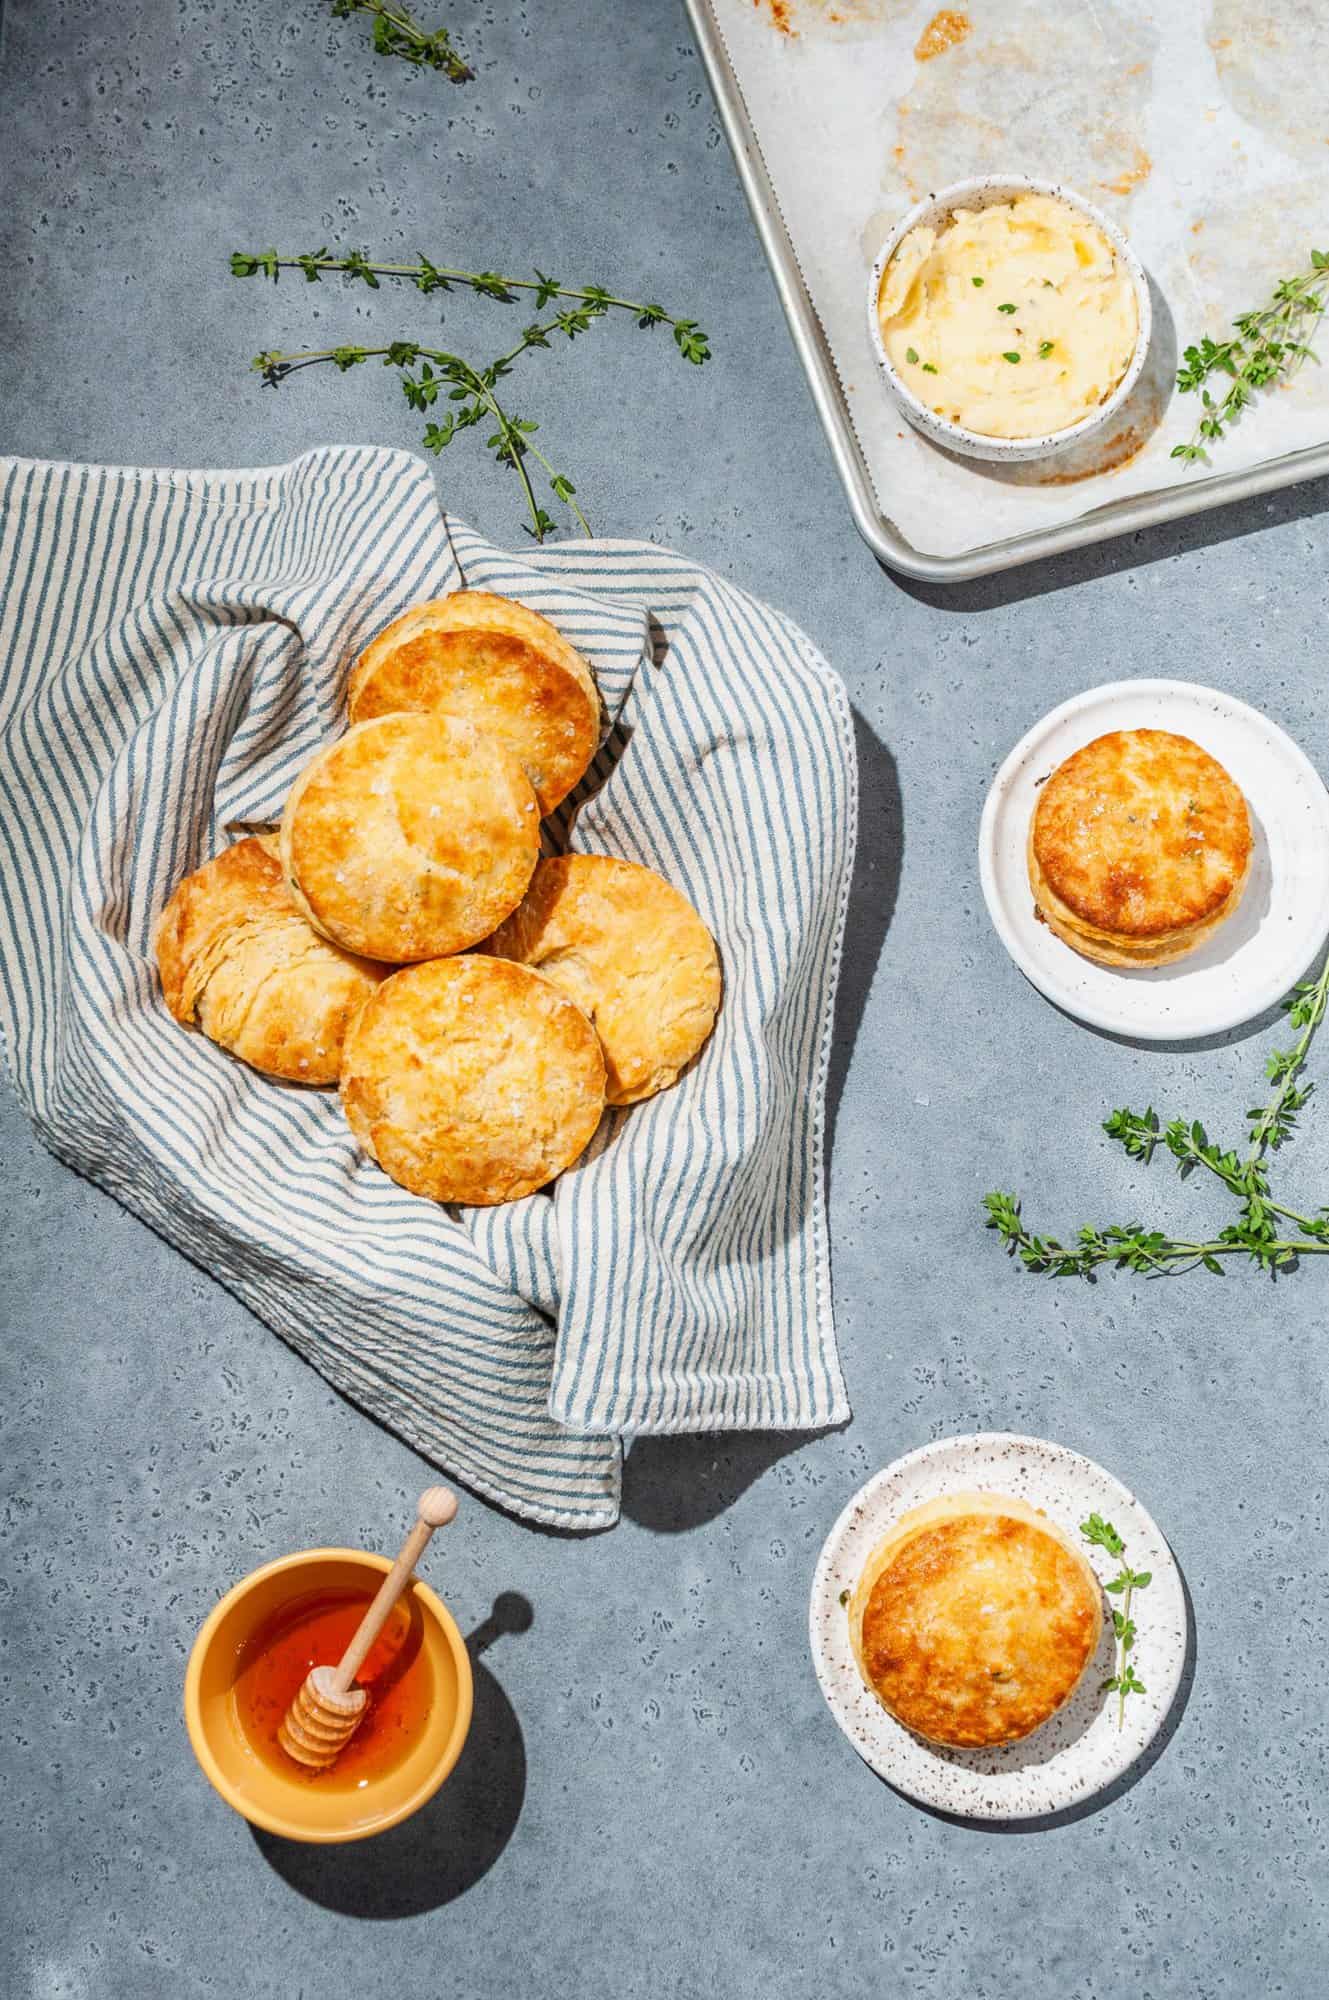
(173, 648)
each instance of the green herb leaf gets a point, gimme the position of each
(1268, 345)
(396, 33)
(471, 390)
(911, 354)
(1005, 309)
(1012, 356)
(976, 281)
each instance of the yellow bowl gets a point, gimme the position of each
(295, 1807)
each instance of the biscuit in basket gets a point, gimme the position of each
(237, 958)
(501, 666)
(410, 837)
(472, 1080)
(1139, 848)
(634, 955)
(974, 1619)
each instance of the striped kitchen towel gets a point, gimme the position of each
(173, 648)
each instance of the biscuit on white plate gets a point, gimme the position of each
(498, 664)
(1139, 848)
(634, 955)
(410, 837)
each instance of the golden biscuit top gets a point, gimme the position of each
(410, 837)
(237, 957)
(975, 1619)
(472, 1080)
(498, 664)
(238, 888)
(1141, 833)
(634, 955)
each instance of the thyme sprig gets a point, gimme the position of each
(397, 33)
(1101, 1534)
(1272, 1235)
(426, 373)
(430, 372)
(588, 302)
(1268, 346)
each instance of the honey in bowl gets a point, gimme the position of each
(313, 1630)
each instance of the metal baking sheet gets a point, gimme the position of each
(1207, 136)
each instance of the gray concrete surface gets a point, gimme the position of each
(655, 1801)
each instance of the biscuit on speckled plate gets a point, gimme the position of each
(410, 837)
(632, 952)
(974, 1620)
(472, 1080)
(238, 960)
(502, 667)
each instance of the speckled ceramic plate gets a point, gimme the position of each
(1283, 917)
(1081, 1749)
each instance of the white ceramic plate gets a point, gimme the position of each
(1081, 1749)
(1283, 917)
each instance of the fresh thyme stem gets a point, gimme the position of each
(1124, 1584)
(1271, 1125)
(1254, 1234)
(1269, 345)
(470, 389)
(397, 33)
(590, 301)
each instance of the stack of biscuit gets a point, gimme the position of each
(401, 937)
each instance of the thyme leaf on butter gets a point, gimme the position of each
(1267, 1232)
(1266, 347)
(1101, 1534)
(397, 33)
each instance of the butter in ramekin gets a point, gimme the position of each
(1014, 321)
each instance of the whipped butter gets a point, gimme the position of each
(1014, 321)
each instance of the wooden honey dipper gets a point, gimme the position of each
(324, 1716)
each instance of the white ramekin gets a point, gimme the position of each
(985, 192)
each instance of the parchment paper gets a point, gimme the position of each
(1201, 126)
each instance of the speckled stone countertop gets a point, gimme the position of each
(655, 1800)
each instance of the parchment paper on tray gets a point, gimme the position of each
(1202, 127)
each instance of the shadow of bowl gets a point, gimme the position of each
(454, 1840)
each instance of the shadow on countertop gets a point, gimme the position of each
(1223, 523)
(452, 1842)
(672, 1484)
(873, 890)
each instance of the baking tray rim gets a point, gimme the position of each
(1114, 517)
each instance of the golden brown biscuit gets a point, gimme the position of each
(1139, 848)
(974, 1620)
(472, 1080)
(237, 957)
(634, 955)
(501, 666)
(411, 837)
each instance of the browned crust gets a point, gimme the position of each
(499, 664)
(410, 837)
(979, 1628)
(237, 958)
(472, 1080)
(1139, 847)
(634, 955)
